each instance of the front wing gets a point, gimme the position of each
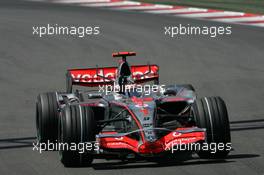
(113, 140)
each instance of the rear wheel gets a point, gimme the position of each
(77, 126)
(47, 117)
(211, 113)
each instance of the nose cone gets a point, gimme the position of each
(151, 148)
(144, 109)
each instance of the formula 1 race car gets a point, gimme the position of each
(130, 116)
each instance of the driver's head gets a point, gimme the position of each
(124, 58)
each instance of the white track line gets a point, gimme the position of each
(146, 7)
(241, 19)
(256, 24)
(112, 4)
(80, 1)
(220, 16)
(211, 14)
(180, 10)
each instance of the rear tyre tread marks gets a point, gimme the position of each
(216, 124)
(47, 117)
(79, 130)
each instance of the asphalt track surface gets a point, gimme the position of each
(229, 66)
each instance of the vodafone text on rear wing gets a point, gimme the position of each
(93, 77)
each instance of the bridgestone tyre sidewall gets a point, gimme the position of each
(211, 113)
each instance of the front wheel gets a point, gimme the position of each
(77, 127)
(211, 113)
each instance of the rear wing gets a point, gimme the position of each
(123, 54)
(94, 77)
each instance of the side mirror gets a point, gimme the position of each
(170, 92)
(96, 95)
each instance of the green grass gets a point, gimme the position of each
(250, 6)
